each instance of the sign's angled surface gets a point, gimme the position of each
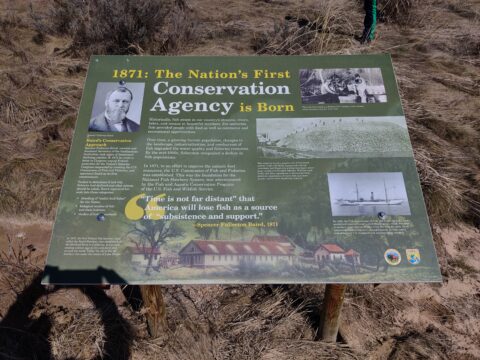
(241, 170)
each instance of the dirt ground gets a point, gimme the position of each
(435, 47)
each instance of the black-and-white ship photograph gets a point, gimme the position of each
(368, 194)
(352, 85)
(373, 136)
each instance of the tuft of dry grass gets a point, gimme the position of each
(179, 31)
(76, 334)
(239, 322)
(396, 11)
(18, 265)
(421, 345)
(439, 85)
(33, 325)
(468, 44)
(448, 173)
(35, 138)
(376, 303)
(117, 27)
(103, 27)
(38, 116)
(280, 349)
(326, 30)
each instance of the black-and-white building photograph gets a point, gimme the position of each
(350, 85)
(368, 194)
(117, 107)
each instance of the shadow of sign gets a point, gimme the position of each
(101, 275)
(24, 338)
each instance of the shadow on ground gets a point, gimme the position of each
(22, 337)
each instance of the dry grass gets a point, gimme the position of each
(396, 11)
(446, 146)
(18, 268)
(75, 334)
(412, 344)
(104, 27)
(436, 62)
(325, 30)
(272, 317)
(32, 327)
(35, 137)
(179, 32)
(378, 301)
(238, 322)
(18, 265)
(38, 114)
(447, 173)
(116, 27)
(439, 85)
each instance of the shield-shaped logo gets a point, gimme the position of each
(413, 256)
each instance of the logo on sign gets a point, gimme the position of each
(392, 257)
(413, 256)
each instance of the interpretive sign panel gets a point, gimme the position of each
(241, 170)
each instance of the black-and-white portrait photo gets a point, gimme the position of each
(353, 85)
(117, 107)
(368, 194)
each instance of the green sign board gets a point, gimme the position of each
(241, 170)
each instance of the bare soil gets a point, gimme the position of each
(435, 47)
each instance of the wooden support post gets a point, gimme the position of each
(155, 309)
(330, 315)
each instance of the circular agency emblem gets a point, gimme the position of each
(392, 257)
